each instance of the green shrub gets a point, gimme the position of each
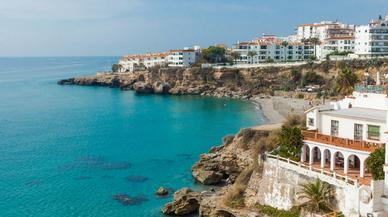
(375, 162)
(273, 212)
(312, 78)
(291, 142)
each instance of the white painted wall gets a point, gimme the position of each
(280, 185)
(346, 127)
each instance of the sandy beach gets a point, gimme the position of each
(275, 109)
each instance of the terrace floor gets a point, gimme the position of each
(353, 173)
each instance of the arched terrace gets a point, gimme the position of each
(338, 161)
(326, 159)
(305, 156)
(341, 161)
(316, 155)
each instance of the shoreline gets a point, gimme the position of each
(275, 109)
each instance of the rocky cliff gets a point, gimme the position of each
(234, 83)
(222, 167)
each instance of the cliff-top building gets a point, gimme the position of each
(340, 138)
(272, 49)
(174, 58)
(372, 39)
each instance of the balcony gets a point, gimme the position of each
(341, 142)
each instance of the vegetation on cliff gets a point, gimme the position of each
(346, 81)
(318, 196)
(375, 163)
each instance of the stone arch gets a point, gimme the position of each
(339, 160)
(316, 154)
(353, 165)
(305, 157)
(326, 154)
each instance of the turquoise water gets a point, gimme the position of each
(66, 150)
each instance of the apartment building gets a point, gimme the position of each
(372, 40)
(183, 58)
(332, 36)
(336, 44)
(324, 30)
(272, 49)
(130, 63)
(174, 58)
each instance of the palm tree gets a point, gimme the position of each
(251, 54)
(315, 42)
(318, 196)
(285, 45)
(235, 56)
(346, 81)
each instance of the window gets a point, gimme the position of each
(373, 132)
(311, 122)
(334, 128)
(357, 131)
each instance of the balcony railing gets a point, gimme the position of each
(311, 171)
(341, 142)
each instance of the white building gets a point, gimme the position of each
(324, 30)
(272, 49)
(173, 58)
(372, 39)
(130, 63)
(341, 137)
(337, 44)
(184, 58)
(333, 36)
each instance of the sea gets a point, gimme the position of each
(98, 151)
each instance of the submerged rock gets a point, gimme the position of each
(137, 179)
(116, 166)
(186, 201)
(127, 200)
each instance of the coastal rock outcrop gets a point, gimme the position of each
(224, 163)
(162, 191)
(186, 201)
(161, 87)
(243, 83)
(142, 87)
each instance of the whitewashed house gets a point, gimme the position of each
(340, 137)
(372, 40)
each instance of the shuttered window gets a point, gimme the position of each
(373, 132)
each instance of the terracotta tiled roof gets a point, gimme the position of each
(189, 50)
(144, 56)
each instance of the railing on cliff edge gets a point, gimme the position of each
(321, 171)
(341, 142)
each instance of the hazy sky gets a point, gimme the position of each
(116, 27)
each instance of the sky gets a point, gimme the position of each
(117, 27)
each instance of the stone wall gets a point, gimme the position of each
(278, 186)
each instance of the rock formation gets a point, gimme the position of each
(186, 201)
(232, 83)
(162, 191)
